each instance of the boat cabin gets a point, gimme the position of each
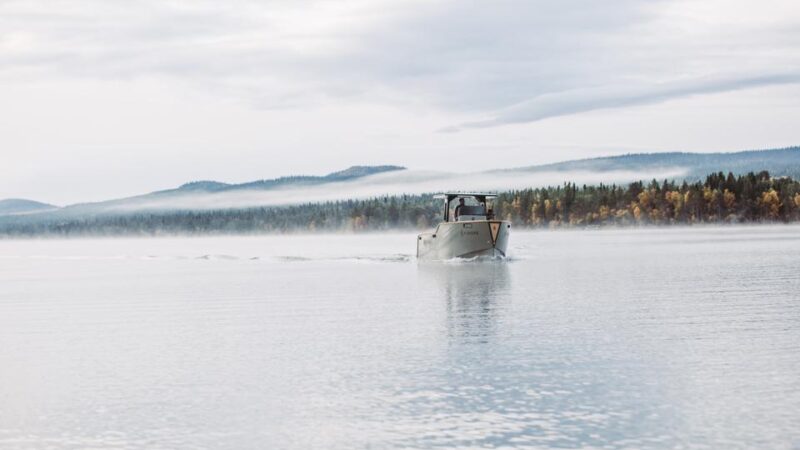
(475, 206)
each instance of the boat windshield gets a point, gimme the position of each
(471, 209)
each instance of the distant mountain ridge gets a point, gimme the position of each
(342, 175)
(688, 166)
(210, 187)
(12, 206)
(778, 162)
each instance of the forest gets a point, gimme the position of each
(750, 198)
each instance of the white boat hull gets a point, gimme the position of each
(467, 239)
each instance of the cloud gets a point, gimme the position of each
(512, 60)
(590, 99)
(486, 64)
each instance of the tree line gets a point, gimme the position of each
(719, 199)
(750, 198)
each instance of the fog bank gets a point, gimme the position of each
(393, 183)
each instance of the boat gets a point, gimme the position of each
(470, 231)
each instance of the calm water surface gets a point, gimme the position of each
(685, 338)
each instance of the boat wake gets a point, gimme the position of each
(393, 258)
(473, 260)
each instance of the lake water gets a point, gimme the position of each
(643, 338)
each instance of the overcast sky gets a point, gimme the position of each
(103, 98)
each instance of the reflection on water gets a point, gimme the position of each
(513, 378)
(473, 293)
(612, 339)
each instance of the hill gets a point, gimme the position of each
(200, 193)
(363, 182)
(304, 180)
(13, 206)
(778, 162)
(751, 198)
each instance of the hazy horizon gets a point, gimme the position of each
(407, 181)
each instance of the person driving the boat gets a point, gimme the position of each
(459, 208)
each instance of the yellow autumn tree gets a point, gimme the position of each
(771, 203)
(549, 210)
(507, 209)
(655, 215)
(675, 199)
(729, 199)
(516, 206)
(708, 194)
(359, 222)
(559, 211)
(535, 214)
(644, 198)
(637, 212)
(604, 212)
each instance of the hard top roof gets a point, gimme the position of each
(465, 194)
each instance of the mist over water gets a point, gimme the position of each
(392, 183)
(646, 338)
